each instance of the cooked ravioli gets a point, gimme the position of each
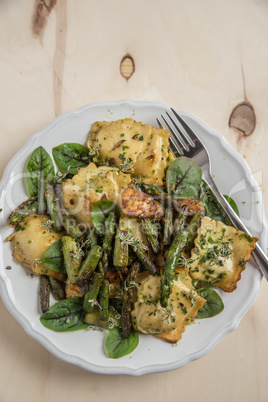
(145, 147)
(149, 317)
(31, 242)
(220, 254)
(90, 185)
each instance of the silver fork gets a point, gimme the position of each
(184, 142)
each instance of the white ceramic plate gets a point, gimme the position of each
(85, 348)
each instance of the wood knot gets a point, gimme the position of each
(42, 10)
(243, 118)
(127, 66)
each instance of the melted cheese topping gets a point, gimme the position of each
(146, 146)
(90, 185)
(220, 254)
(149, 317)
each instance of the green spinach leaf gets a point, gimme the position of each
(213, 208)
(214, 304)
(117, 346)
(232, 204)
(70, 156)
(53, 257)
(99, 213)
(183, 178)
(66, 315)
(39, 168)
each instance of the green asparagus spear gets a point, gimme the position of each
(70, 225)
(126, 238)
(120, 255)
(61, 215)
(44, 293)
(41, 197)
(93, 318)
(90, 297)
(145, 260)
(177, 245)
(72, 257)
(192, 237)
(100, 268)
(105, 262)
(57, 288)
(109, 231)
(27, 208)
(53, 208)
(49, 194)
(92, 237)
(104, 300)
(152, 189)
(168, 226)
(151, 231)
(127, 302)
(167, 201)
(108, 238)
(180, 221)
(89, 265)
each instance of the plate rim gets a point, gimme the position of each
(155, 368)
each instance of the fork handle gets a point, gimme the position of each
(259, 256)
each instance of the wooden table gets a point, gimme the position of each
(202, 56)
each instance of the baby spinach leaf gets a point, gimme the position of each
(117, 346)
(70, 156)
(53, 257)
(214, 304)
(232, 204)
(66, 315)
(213, 208)
(39, 168)
(99, 213)
(183, 178)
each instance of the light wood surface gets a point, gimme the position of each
(203, 56)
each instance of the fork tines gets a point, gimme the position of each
(182, 137)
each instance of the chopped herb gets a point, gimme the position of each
(99, 189)
(138, 181)
(118, 144)
(48, 224)
(126, 165)
(185, 262)
(78, 253)
(247, 236)
(184, 310)
(93, 152)
(19, 227)
(60, 177)
(128, 239)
